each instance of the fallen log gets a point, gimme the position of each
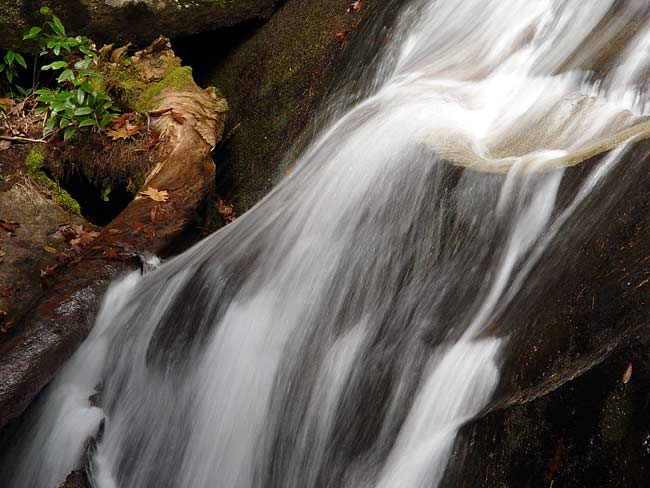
(190, 122)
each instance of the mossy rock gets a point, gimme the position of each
(274, 81)
(35, 163)
(26, 202)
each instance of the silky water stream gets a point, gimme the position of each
(337, 335)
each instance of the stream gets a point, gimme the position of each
(341, 332)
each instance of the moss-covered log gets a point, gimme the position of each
(190, 122)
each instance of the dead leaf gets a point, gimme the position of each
(355, 7)
(7, 292)
(156, 212)
(628, 374)
(50, 250)
(6, 103)
(50, 271)
(124, 126)
(2, 254)
(68, 232)
(10, 227)
(114, 231)
(154, 139)
(111, 254)
(159, 112)
(138, 227)
(4, 145)
(227, 211)
(342, 35)
(155, 194)
(178, 117)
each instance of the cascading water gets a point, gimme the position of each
(335, 336)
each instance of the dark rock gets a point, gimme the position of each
(593, 431)
(76, 479)
(140, 22)
(274, 80)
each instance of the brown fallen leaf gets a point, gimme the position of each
(156, 212)
(355, 7)
(124, 126)
(68, 232)
(138, 227)
(159, 112)
(154, 139)
(155, 194)
(342, 35)
(50, 250)
(6, 103)
(227, 211)
(628, 374)
(50, 271)
(178, 117)
(10, 227)
(2, 253)
(111, 254)
(114, 231)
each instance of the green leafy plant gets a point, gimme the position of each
(74, 102)
(9, 71)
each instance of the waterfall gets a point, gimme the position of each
(339, 334)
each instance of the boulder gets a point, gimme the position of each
(274, 80)
(140, 22)
(23, 252)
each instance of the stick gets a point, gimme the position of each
(22, 139)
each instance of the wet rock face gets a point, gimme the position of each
(140, 22)
(593, 431)
(76, 479)
(23, 252)
(274, 80)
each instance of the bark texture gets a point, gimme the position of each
(190, 122)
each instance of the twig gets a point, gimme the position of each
(7, 123)
(22, 139)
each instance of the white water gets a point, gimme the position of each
(334, 336)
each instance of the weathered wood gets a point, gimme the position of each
(183, 168)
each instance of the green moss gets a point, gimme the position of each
(106, 189)
(135, 183)
(179, 78)
(34, 163)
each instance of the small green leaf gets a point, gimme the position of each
(81, 96)
(66, 75)
(55, 65)
(32, 34)
(69, 132)
(106, 119)
(9, 56)
(20, 60)
(83, 111)
(57, 26)
(86, 122)
(45, 11)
